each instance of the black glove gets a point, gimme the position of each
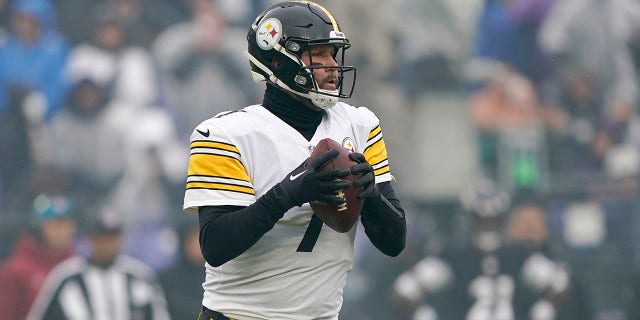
(366, 179)
(306, 184)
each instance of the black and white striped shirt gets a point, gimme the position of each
(79, 290)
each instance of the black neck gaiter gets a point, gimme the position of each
(302, 118)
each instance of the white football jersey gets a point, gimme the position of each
(238, 156)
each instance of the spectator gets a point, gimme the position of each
(34, 54)
(88, 142)
(48, 242)
(110, 55)
(573, 121)
(201, 71)
(508, 33)
(506, 113)
(117, 144)
(507, 110)
(506, 99)
(593, 36)
(116, 287)
(591, 136)
(496, 38)
(183, 281)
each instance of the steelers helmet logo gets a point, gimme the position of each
(348, 144)
(269, 33)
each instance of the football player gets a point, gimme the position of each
(268, 256)
(505, 271)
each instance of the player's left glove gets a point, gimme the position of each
(366, 179)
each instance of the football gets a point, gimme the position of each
(340, 218)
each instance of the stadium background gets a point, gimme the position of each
(539, 95)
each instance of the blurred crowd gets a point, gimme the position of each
(537, 98)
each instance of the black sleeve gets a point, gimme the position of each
(228, 231)
(384, 222)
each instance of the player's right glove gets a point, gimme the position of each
(305, 183)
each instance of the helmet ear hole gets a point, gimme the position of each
(293, 46)
(276, 63)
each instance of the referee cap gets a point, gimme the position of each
(105, 222)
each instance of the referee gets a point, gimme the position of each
(103, 285)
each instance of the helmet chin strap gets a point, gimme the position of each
(323, 99)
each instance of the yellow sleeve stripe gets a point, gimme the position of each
(374, 132)
(220, 186)
(381, 171)
(376, 152)
(214, 145)
(207, 164)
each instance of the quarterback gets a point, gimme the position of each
(267, 255)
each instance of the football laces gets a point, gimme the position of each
(342, 206)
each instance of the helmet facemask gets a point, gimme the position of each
(306, 81)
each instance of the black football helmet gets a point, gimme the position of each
(283, 32)
(486, 205)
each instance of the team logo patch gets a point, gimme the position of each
(269, 33)
(348, 144)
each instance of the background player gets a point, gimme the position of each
(504, 270)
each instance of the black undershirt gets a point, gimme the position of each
(228, 231)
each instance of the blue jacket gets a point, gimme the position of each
(39, 66)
